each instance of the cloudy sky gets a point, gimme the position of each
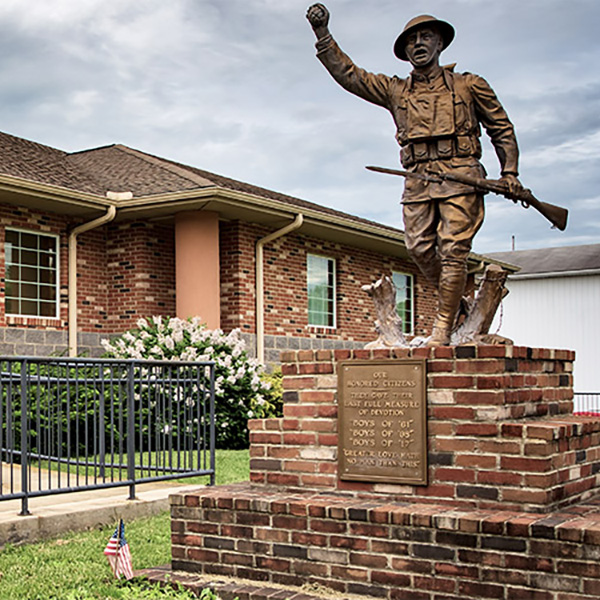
(233, 86)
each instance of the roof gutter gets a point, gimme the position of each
(185, 200)
(47, 191)
(72, 262)
(260, 282)
(553, 274)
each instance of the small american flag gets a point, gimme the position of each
(117, 553)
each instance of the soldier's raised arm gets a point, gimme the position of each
(362, 83)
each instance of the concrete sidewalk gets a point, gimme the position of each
(54, 515)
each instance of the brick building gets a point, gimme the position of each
(90, 241)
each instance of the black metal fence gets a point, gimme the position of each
(587, 403)
(80, 424)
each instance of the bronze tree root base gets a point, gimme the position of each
(472, 330)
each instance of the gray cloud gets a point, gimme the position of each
(233, 86)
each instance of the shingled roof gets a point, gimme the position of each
(35, 162)
(118, 168)
(557, 261)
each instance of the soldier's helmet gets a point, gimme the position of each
(446, 30)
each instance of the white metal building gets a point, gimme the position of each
(554, 302)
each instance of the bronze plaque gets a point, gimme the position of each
(382, 421)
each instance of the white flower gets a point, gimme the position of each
(107, 345)
(177, 327)
(133, 352)
(142, 323)
(190, 353)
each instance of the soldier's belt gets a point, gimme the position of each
(462, 145)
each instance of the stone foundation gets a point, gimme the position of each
(19, 341)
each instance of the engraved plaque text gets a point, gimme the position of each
(382, 424)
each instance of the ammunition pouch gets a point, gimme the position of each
(440, 149)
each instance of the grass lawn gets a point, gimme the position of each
(73, 567)
(90, 473)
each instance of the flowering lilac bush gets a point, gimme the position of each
(241, 392)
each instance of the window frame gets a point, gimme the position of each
(56, 269)
(411, 325)
(331, 271)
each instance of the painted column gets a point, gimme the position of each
(197, 266)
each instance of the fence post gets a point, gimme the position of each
(24, 445)
(102, 422)
(130, 431)
(212, 425)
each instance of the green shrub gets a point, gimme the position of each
(62, 414)
(241, 391)
(274, 394)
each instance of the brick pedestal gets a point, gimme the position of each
(509, 509)
(501, 429)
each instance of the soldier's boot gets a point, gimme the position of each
(453, 280)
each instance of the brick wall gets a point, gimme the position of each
(32, 336)
(238, 307)
(501, 432)
(140, 273)
(123, 272)
(286, 304)
(127, 270)
(92, 287)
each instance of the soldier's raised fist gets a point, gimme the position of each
(318, 15)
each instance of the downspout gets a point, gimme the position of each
(260, 283)
(72, 267)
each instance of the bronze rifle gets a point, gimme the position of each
(555, 214)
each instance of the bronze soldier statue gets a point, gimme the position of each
(438, 115)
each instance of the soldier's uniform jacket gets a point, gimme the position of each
(437, 121)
